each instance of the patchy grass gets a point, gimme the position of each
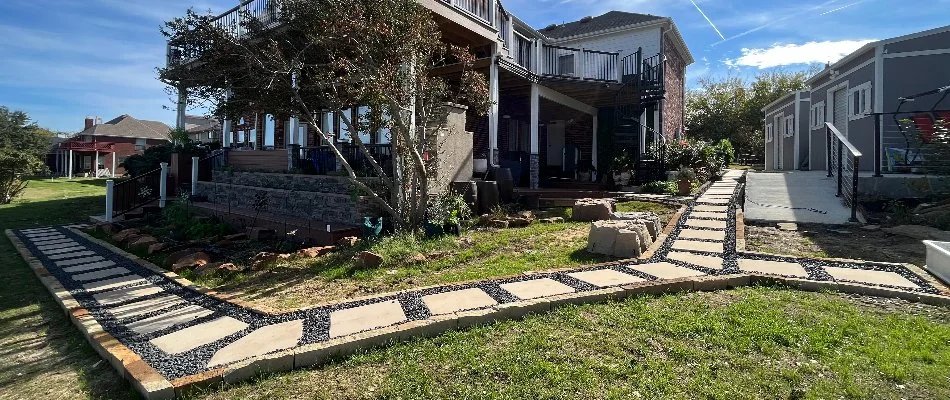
(411, 261)
(743, 344)
(41, 354)
(830, 241)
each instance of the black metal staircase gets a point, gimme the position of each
(643, 86)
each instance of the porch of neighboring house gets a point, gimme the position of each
(84, 159)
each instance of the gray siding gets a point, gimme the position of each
(861, 59)
(929, 42)
(905, 76)
(861, 131)
(785, 108)
(803, 123)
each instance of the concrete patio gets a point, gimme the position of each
(797, 196)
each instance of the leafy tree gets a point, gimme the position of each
(152, 157)
(333, 55)
(22, 144)
(731, 107)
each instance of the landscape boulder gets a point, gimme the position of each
(191, 261)
(497, 224)
(619, 238)
(519, 222)
(173, 258)
(649, 219)
(212, 268)
(551, 220)
(314, 252)
(106, 227)
(589, 210)
(155, 248)
(366, 259)
(124, 235)
(142, 243)
(262, 260)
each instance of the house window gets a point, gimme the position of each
(817, 115)
(768, 133)
(140, 144)
(790, 126)
(859, 101)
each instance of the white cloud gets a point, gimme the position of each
(791, 54)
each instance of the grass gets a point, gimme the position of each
(741, 344)
(41, 354)
(744, 344)
(411, 261)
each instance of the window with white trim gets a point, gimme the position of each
(817, 115)
(140, 144)
(768, 133)
(859, 101)
(790, 126)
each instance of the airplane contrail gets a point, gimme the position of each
(707, 19)
(841, 8)
(790, 16)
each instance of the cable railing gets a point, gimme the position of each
(844, 162)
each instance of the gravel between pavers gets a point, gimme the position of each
(316, 321)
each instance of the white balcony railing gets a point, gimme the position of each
(484, 10)
(565, 62)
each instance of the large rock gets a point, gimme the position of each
(650, 220)
(919, 232)
(106, 227)
(314, 251)
(262, 260)
(124, 235)
(192, 261)
(619, 238)
(173, 258)
(589, 210)
(212, 268)
(519, 222)
(366, 259)
(142, 243)
(155, 248)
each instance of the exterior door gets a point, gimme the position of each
(840, 111)
(777, 139)
(555, 144)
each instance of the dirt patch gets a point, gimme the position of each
(834, 241)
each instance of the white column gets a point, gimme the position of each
(493, 119)
(113, 164)
(69, 168)
(95, 165)
(181, 108)
(194, 176)
(226, 133)
(643, 132)
(163, 186)
(593, 151)
(110, 189)
(535, 145)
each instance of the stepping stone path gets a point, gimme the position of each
(183, 336)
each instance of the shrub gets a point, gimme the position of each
(659, 187)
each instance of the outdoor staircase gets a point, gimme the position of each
(643, 86)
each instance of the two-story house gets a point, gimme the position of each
(100, 148)
(567, 97)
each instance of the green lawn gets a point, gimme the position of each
(741, 344)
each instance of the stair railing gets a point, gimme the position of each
(841, 165)
(127, 195)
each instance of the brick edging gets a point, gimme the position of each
(143, 377)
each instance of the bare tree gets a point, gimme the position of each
(304, 57)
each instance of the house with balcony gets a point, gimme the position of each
(101, 147)
(566, 97)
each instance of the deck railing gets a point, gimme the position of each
(844, 166)
(206, 166)
(521, 52)
(481, 9)
(560, 61)
(136, 192)
(321, 160)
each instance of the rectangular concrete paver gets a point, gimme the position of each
(704, 223)
(198, 335)
(606, 277)
(665, 270)
(74, 261)
(89, 267)
(126, 294)
(48, 240)
(64, 250)
(89, 276)
(693, 245)
(773, 268)
(457, 300)
(145, 306)
(696, 259)
(58, 244)
(63, 256)
(709, 208)
(870, 276)
(41, 235)
(110, 284)
(702, 234)
(536, 288)
(363, 318)
(167, 320)
(703, 214)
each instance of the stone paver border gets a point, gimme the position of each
(156, 377)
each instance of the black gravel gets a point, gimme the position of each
(316, 321)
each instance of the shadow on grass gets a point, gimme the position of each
(33, 214)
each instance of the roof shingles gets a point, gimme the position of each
(610, 20)
(129, 127)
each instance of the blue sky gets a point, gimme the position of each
(65, 59)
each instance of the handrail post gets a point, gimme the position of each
(110, 198)
(163, 186)
(194, 176)
(840, 167)
(828, 153)
(854, 189)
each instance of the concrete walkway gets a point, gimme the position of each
(797, 196)
(167, 336)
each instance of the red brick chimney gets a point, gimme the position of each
(90, 122)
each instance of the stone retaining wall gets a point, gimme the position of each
(314, 205)
(310, 183)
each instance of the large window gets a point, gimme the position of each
(859, 101)
(790, 126)
(768, 133)
(817, 115)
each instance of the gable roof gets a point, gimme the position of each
(610, 20)
(128, 127)
(194, 123)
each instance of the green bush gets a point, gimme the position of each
(659, 187)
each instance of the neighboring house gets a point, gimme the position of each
(861, 94)
(787, 128)
(567, 97)
(101, 147)
(203, 129)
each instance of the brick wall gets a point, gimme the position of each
(674, 103)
